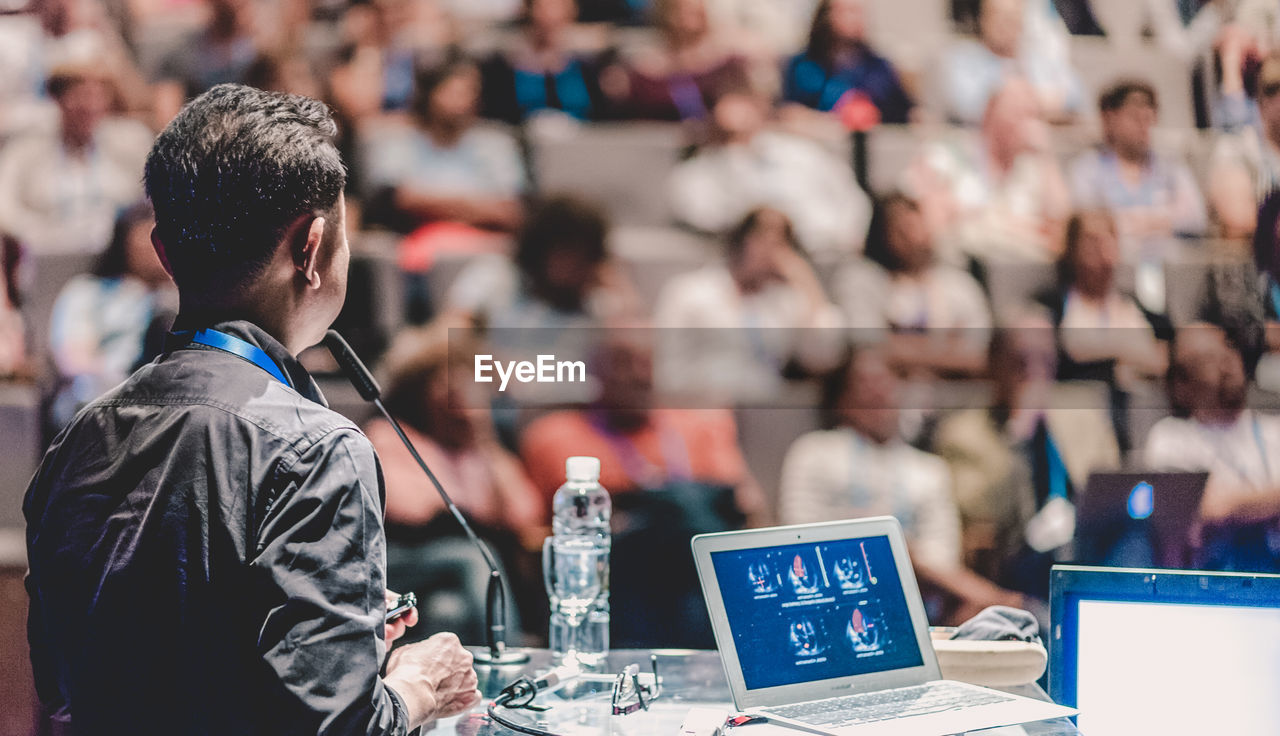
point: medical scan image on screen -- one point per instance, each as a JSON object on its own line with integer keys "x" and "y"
{"x": 806, "y": 612}
{"x": 1164, "y": 668}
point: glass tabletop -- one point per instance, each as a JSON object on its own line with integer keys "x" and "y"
{"x": 690, "y": 678}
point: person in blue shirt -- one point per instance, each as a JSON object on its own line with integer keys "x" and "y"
{"x": 838, "y": 61}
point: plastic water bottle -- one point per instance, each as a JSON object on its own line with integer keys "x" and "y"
{"x": 578, "y": 576}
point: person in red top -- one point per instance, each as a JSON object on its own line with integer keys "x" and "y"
{"x": 640, "y": 447}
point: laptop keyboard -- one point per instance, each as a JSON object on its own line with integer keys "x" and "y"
{"x": 853, "y": 710}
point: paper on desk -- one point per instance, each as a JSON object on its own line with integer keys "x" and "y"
{"x": 773, "y": 729}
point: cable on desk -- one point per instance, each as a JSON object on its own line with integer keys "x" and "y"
{"x": 518, "y": 694}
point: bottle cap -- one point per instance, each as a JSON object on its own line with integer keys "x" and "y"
{"x": 582, "y": 468}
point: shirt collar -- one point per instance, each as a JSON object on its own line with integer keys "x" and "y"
{"x": 301, "y": 379}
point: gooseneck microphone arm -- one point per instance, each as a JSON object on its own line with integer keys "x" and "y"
{"x": 496, "y": 599}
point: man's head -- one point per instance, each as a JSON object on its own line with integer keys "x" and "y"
{"x": 623, "y": 361}
{"x": 1269, "y": 96}
{"x": 863, "y": 395}
{"x": 1207, "y": 379}
{"x": 754, "y": 245}
{"x": 898, "y": 237}
{"x": 561, "y": 249}
{"x": 1128, "y": 114}
{"x": 447, "y": 95}
{"x": 739, "y": 114}
{"x": 247, "y": 188}
{"x": 1023, "y": 356}
{"x": 84, "y": 96}
{"x": 1013, "y": 121}
{"x": 1000, "y": 24}
{"x": 1091, "y": 254}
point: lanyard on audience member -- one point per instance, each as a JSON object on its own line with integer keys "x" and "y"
{"x": 675, "y": 455}
{"x": 237, "y": 347}
{"x": 860, "y": 492}
{"x": 1058, "y": 476}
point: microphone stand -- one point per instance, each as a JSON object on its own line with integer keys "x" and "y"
{"x": 496, "y": 599}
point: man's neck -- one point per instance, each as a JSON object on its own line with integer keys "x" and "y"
{"x": 1218, "y": 416}
{"x": 269, "y": 321}
{"x": 445, "y": 134}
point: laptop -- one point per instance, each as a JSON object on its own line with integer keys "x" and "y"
{"x": 820, "y": 627}
{"x": 1166, "y": 651}
{"x": 1138, "y": 519}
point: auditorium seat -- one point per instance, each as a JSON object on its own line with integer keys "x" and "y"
{"x": 48, "y": 274}
{"x": 890, "y": 150}
{"x": 765, "y": 433}
{"x": 1101, "y": 63}
{"x": 651, "y": 256}
{"x": 624, "y": 166}
{"x": 20, "y": 438}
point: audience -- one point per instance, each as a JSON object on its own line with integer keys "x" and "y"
{"x": 741, "y": 325}
{"x": 1017, "y": 39}
{"x": 938, "y": 313}
{"x": 1153, "y": 197}
{"x": 862, "y": 467}
{"x": 1248, "y": 162}
{"x": 60, "y": 190}
{"x": 1019, "y": 464}
{"x": 107, "y": 323}
{"x": 1000, "y": 195}
{"x": 541, "y": 70}
{"x": 746, "y": 166}
{"x": 1213, "y": 430}
{"x": 221, "y": 51}
{"x": 13, "y": 339}
{"x": 677, "y": 78}
{"x": 838, "y": 66}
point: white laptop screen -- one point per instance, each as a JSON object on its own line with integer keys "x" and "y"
{"x": 806, "y": 612}
{"x": 1146, "y": 667}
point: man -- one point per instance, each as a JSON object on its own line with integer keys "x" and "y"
{"x": 205, "y": 541}
{"x": 863, "y": 467}
{"x": 1213, "y": 431}
{"x": 1153, "y": 197}
{"x": 1246, "y": 164}
{"x": 60, "y": 190}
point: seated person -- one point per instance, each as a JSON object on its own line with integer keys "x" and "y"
{"x": 838, "y": 66}
{"x": 1017, "y": 38}
{"x": 561, "y": 275}
{"x": 641, "y": 446}
{"x": 1213, "y": 430}
{"x": 999, "y": 195}
{"x": 744, "y": 325}
{"x": 541, "y": 70}
{"x": 1249, "y": 159}
{"x": 745, "y": 166}
{"x": 1103, "y": 333}
{"x": 862, "y": 467}
{"x": 1017, "y": 463}
{"x": 443, "y": 178}
{"x": 106, "y": 323}
{"x": 427, "y": 376}
{"x": 13, "y": 342}
{"x": 677, "y": 79}
{"x": 938, "y": 313}
{"x": 1154, "y": 199}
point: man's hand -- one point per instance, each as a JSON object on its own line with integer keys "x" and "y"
{"x": 396, "y": 628}
{"x": 434, "y": 678}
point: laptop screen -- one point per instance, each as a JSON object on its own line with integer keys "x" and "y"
{"x": 806, "y": 612}
{"x": 1147, "y": 667}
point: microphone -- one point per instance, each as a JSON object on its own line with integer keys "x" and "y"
{"x": 496, "y": 600}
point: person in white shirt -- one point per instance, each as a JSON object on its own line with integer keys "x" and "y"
{"x": 742, "y": 324}
{"x": 937, "y": 313}
{"x": 862, "y": 467}
{"x": 1213, "y": 430}
{"x": 747, "y": 167}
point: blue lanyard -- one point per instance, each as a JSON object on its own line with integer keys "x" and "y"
{"x": 234, "y": 345}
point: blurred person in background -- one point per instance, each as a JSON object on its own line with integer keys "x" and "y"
{"x": 1214, "y": 430}
{"x": 1018, "y": 464}
{"x": 1245, "y": 167}
{"x": 61, "y": 189}
{"x": 999, "y": 195}
{"x": 234, "y": 33}
{"x": 672, "y": 473}
{"x": 937, "y": 313}
{"x": 405, "y": 35}
{"x": 677, "y": 78}
{"x": 862, "y": 467}
{"x": 1017, "y": 38}
{"x": 354, "y": 92}
{"x": 430, "y": 390}
{"x": 540, "y": 69}
{"x": 741, "y": 326}
{"x": 838, "y": 66}
{"x": 450, "y": 184}
{"x": 13, "y": 342}
{"x": 107, "y": 323}
{"x": 1154, "y": 198}
{"x": 746, "y": 166}
{"x": 561, "y": 275}
{"x": 1103, "y": 333}
{"x": 283, "y": 72}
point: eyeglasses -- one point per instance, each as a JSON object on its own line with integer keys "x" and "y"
{"x": 1269, "y": 89}
{"x": 628, "y": 687}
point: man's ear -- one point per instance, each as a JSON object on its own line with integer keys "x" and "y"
{"x": 306, "y": 258}
{"x": 159, "y": 248}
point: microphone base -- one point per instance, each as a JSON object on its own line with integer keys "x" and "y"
{"x": 507, "y": 657}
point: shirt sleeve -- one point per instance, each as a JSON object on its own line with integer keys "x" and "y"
{"x": 321, "y": 554}
{"x": 805, "y": 491}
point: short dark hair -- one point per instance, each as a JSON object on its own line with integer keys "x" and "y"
{"x": 561, "y": 221}
{"x": 736, "y": 238}
{"x": 228, "y": 177}
{"x": 877, "y": 249}
{"x": 1115, "y": 96}
{"x": 429, "y": 77}
{"x": 114, "y": 261}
